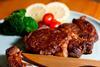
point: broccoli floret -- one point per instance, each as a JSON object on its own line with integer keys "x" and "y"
{"x": 13, "y": 25}
{"x": 18, "y": 24}
{"x": 30, "y": 24}
{"x": 20, "y": 12}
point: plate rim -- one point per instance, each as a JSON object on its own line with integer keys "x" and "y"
{"x": 90, "y": 17}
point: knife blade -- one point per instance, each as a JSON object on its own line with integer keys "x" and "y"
{"x": 54, "y": 61}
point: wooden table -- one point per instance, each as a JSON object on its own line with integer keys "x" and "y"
{"x": 90, "y": 7}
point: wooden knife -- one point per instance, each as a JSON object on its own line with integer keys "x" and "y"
{"x": 54, "y": 61}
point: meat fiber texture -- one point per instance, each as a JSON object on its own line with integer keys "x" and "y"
{"x": 14, "y": 57}
{"x": 47, "y": 42}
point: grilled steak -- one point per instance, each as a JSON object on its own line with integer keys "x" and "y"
{"x": 82, "y": 36}
{"x": 47, "y": 42}
{"x": 79, "y": 36}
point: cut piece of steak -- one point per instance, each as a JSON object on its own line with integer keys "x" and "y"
{"x": 47, "y": 42}
{"x": 14, "y": 57}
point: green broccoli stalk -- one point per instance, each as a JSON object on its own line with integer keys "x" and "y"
{"x": 18, "y": 24}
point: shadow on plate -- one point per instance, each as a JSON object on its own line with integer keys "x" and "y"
{"x": 3, "y": 61}
{"x": 20, "y": 44}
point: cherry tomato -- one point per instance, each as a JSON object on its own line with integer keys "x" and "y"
{"x": 54, "y": 24}
{"x": 47, "y": 18}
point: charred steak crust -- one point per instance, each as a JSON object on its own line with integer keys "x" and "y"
{"x": 88, "y": 30}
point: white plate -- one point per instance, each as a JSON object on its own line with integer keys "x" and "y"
{"x": 7, "y": 41}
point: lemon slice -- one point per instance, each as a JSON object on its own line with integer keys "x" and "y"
{"x": 60, "y": 11}
{"x": 36, "y": 11}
